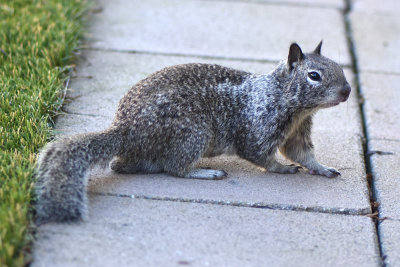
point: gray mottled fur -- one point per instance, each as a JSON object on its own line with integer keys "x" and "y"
{"x": 172, "y": 118}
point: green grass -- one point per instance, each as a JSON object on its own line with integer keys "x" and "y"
{"x": 37, "y": 41}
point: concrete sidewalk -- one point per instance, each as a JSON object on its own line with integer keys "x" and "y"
{"x": 251, "y": 218}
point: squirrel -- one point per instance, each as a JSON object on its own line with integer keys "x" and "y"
{"x": 174, "y": 117}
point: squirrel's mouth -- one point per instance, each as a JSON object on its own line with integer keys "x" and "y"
{"x": 328, "y": 105}
{"x": 343, "y": 98}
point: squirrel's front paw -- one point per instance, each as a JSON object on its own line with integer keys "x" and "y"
{"x": 325, "y": 171}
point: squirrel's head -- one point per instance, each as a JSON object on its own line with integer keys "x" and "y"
{"x": 322, "y": 80}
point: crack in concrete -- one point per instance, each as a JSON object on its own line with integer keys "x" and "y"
{"x": 376, "y": 215}
{"x": 260, "y": 205}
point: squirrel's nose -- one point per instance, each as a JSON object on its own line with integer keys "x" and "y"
{"x": 345, "y": 91}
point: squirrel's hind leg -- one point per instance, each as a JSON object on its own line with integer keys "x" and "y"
{"x": 181, "y": 159}
{"x": 178, "y": 169}
{"x": 122, "y": 166}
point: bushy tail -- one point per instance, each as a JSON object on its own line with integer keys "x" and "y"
{"x": 62, "y": 174}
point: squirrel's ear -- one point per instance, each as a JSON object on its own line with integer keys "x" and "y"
{"x": 295, "y": 55}
{"x": 317, "y": 50}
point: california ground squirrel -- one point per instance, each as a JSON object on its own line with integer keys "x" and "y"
{"x": 172, "y": 118}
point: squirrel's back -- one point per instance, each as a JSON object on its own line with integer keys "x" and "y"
{"x": 197, "y": 84}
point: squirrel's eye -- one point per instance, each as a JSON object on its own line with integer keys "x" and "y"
{"x": 314, "y": 76}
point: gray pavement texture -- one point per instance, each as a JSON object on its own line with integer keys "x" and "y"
{"x": 251, "y": 218}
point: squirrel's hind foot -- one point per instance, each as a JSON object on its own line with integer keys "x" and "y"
{"x": 284, "y": 169}
{"x": 125, "y": 166}
{"x": 206, "y": 174}
{"x": 325, "y": 171}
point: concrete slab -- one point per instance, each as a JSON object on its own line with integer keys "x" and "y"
{"x": 390, "y": 237}
{"x": 386, "y": 7}
{"x": 133, "y": 232}
{"x": 382, "y": 102}
{"x": 386, "y": 173}
{"x": 377, "y": 39}
{"x": 227, "y": 29}
{"x": 70, "y": 124}
{"x": 336, "y": 130}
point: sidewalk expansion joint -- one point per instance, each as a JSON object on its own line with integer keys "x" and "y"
{"x": 377, "y": 217}
{"x": 65, "y": 112}
{"x": 384, "y": 139}
{"x": 207, "y": 57}
{"x": 281, "y": 3}
{"x": 258, "y": 205}
{"x": 394, "y": 73}
{"x": 166, "y": 54}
